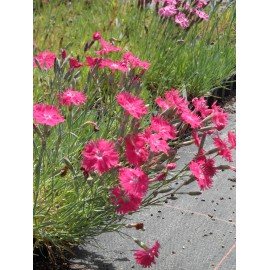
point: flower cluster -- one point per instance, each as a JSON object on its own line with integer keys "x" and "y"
{"x": 185, "y": 14}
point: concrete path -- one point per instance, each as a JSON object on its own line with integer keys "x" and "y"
{"x": 195, "y": 233}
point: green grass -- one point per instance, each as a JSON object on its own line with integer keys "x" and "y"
{"x": 198, "y": 60}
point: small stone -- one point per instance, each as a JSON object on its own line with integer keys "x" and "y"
{"x": 230, "y": 220}
{"x": 211, "y": 233}
{"x": 230, "y": 231}
{"x": 205, "y": 235}
{"x": 196, "y": 198}
{"x": 163, "y": 218}
{"x": 173, "y": 252}
{"x": 210, "y": 216}
{"x": 159, "y": 211}
{"x": 215, "y": 209}
{"x": 151, "y": 215}
{"x": 230, "y": 188}
{"x": 229, "y": 198}
{"x": 222, "y": 246}
{"x": 221, "y": 198}
{"x": 203, "y": 200}
{"x": 192, "y": 213}
{"x": 212, "y": 201}
{"x": 183, "y": 247}
{"x": 217, "y": 203}
{"x": 132, "y": 266}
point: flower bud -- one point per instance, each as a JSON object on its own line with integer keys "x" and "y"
{"x": 96, "y": 36}
{"x": 170, "y": 166}
{"x": 64, "y": 54}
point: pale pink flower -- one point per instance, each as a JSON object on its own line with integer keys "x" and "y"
{"x": 100, "y": 155}
{"x": 107, "y": 47}
{"x": 163, "y": 128}
{"x": 47, "y": 115}
{"x": 125, "y": 201}
{"x": 134, "y": 181}
{"x": 132, "y": 104}
{"x": 147, "y": 256}
{"x": 167, "y": 11}
{"x": 181, "y": 19}
{"x": 202, "y": 14}
{"x": 71, "y": 97}
{"x": 136, "y": 152}
{"x": 45, "y": 59}
{"x": 232, "y": 139}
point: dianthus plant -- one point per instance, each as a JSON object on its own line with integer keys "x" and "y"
{"x": 103, "y": 152}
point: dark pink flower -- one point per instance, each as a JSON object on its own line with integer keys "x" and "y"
{"x": 167, "y": 11}
{"x": 191, "y": 118}
{"x": 71, "y": 97}
{"x": 74, "y": 63}
{"x": 175, "y": 101}
{"x": 163, "y": 128}
{"x": 91, "y": 61}
{"x": 155, "y": 142}
{"x": 219, "y": 117}
{"x": 134, "y": 181}
{"x": 107, "y": 47}
{"x": 114, "y": 65}
{"x": 203, "y": 171}
{"x": 45, "y": 59}
{"x": 47, "y": 115}
{"x": 163, "y": 104}
{"x": 196, "y": 138}
{"x": 232, "y": 139}
{"x": 100, "y": 155}
{"x": 136, "y": 152}
{"x": 147, "y": 256}
{"x": 202, "y": 14}
{"x": 125, "y": 201}
{"x": 200, "y": 106}
{"x": 201, "y": 4}
{"x": 181, "y": 19}
{"x": 132, "y": 104}
{"x": 96, "y": 36}
{"x": 224, "y": 150}
{"x": 64, "y": 54}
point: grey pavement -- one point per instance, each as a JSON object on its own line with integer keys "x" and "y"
{"x": 195, "y": 232}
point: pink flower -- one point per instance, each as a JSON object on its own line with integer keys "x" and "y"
{"x": 147, "y": 256}
{"x": 181, "y": 19}
{"x": 107, "y": 47}
{"x": 134, "y": 61}
{"x": 160, "y": 177}
{"x": 202, "y": 14}
{"x": 196, "y": 138}
{"x": 45, "y": 59}
{"x": 167, "y": 11}
{"x": 232, "y": 139}
{"x": 203, "y": 171}
{"x": 170, "y": 166}
{"x": 134, "y": 181}
{"x": 47, "y": 115}
{"x": 114, "y": 65}
{"x": 191, "y": 118}
{"x": 224, "y": 150}
{"x": 201, "y": 4}
{"x": 74, "y": 63}
{"x": 136, "y": 152}
{"x": 163, "y": 128}
{"x": 71, "y": 97}
{"x": 163, "y": 104}
{"x": 96, "y": 36}
{"x": 219, "y": 117}
{"x": 125, "y": 201}
{"x": 155, "y": 143}
{"x": 64, "y": 54}
{"x": 175, "y": 101}
{"x": 100, "y": 155}
{"x": 91, "y": 61}
{"x": 132, "y": 104}
{"x": 200, "y": 106}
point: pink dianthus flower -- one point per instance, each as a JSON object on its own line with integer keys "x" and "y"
{"x": 132, "y": 104}
{"x": 71, "y": 97}
{"x": 92, "y": 61}
{"x": 114, "y": 65}
{"x": 224, "y": 150}
{"x": 167, "y": 11}
{"x": 96, "y": 36}
{"x": 232, "y": 139}
{"x": 147, "y": 256}
{"x": 107, "y": 47}
{"x": 191, "y": 118}
{"x": 181, "y": 19}
{"x": 136, "y": 152}
{"x": 47, "y": 115}
{"x": 100, "y": 155}
{"x": 45, "y": 59}
{"x": 134, "y": 61}
{"x": 202, "y": 14}
{"x": 125, "y": 201}
{"x": 74, "y": 63}
{"x": 134, "y": 181}
{"x": 163, "y": 128}
{"x": 219, "y": 117}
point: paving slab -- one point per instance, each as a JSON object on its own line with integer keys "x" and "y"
{"x": 195, "y": 232}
